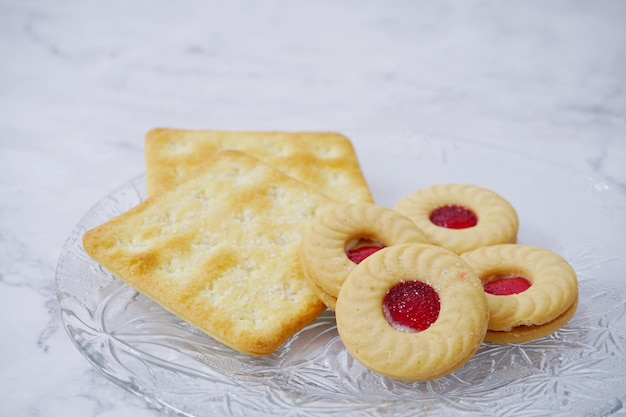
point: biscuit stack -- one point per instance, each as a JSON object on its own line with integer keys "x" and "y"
{"x": 249, "y": 236}
{"x": 217, "y": 240}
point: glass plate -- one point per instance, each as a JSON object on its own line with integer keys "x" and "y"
{"x": 579, "y": 370}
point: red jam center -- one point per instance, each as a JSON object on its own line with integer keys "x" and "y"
{"x": 506, "y": 285}
{"x": 453, "y": 217}
{"x": 356, "y": 255}
{"x": 411, "y": 306}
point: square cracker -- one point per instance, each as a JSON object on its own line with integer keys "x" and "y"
{"x": 325, "y": 160}
{"x": 221, "y": 251}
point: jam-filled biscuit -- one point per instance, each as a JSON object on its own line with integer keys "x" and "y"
{"x": 341, "y": 235}
{"x": 461, "y": 217}
{"x": 531, "y": 291}
{"x": 412, "y": 312}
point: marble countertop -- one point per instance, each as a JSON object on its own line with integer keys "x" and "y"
{"x": 82, "y": 82}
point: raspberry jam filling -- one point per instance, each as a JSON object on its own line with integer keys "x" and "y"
{"x": 357, "y": 255}
{"x": 453, "y": 217}
{"x": 359, "y": 249}
{"x": 508, "y": 285}
{"x": 411, "y": 306}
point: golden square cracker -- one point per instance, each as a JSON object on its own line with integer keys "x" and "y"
{"x": 221, "y": 251}
{"x": 326, "y": 161}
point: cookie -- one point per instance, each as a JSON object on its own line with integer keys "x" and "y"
{"x": 412, "y": 312}
{"x": 324, "y": 160}
{"x": 341, "y": 235}
{"x": 531, "y": 291}
{"x": 522, "y": 334}
{"x": 461, "y": 217}
{"x": 221, "y": 251}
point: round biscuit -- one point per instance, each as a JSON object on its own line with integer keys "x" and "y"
{"x": 497, "y": 219}
{"x": 554, "y": 286}
{"x": 443, "y": 347}
{"x": 522, "y": 334}
{"x": 323, "y": 251}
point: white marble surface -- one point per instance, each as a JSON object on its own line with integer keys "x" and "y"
{"x": 82, "y": 81}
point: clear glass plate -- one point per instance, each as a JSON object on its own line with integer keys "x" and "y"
{"x": 579, "y": 370}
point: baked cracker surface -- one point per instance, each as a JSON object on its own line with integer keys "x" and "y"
{"x": 220, "y": 251}
{"x": 325, "y": 160}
